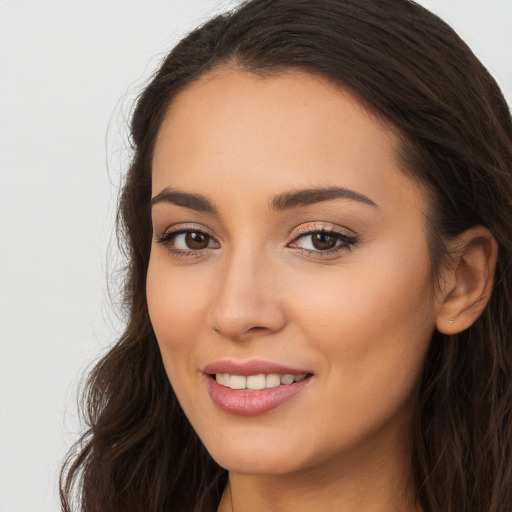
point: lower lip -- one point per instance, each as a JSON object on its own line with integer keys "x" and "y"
{"x": 249, "y": 403}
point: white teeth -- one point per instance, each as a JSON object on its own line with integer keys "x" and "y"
{"x": 256, "y": 381}
{"x": 260, "y": 381}
{"x": 237, "y": 382}
{"x": 272, "y": 380}
{"x": 287, "y": 379}
{"x": 223, "y": 378}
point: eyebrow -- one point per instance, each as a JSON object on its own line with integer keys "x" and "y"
{"x": 281, "y": 202}
{"x": 186, "y": 199}
{"x": 307, "y": 197}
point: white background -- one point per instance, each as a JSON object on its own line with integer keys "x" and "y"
{"x": 69, "y": 71}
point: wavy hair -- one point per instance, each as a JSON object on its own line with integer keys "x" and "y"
{"x": 407, "y": 66}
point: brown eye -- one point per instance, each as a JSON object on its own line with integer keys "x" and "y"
{"x": 196, "y": 241}
{"x": 323, "y": 241}
{"x": 187, "y": 241}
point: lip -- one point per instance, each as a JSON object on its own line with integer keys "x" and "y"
{"x": 253, "y": 367}
{"x": 250, "y": 403}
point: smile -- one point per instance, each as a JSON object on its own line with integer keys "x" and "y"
{"x": 257, "y": 382}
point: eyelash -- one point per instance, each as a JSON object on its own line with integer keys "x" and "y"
{"x": 167, "y": 238}
{"x": 344, "y": 242}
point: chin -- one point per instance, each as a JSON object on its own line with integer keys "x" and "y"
{"x": 260, "y": 465}
{"x": 258, "y": 457}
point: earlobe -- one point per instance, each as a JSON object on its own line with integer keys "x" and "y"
{"x": 469, "y": 280}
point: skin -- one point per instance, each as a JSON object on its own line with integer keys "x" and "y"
{"x": 360, "y": 320}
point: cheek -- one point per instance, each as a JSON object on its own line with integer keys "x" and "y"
{"x": 372, "y": 324}
{"x": 176, "y": 300}
{"x": 390, "y": 296}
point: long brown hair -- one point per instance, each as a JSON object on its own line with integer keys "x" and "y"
{"x": 407, "y": 66}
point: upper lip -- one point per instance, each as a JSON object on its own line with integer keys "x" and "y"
{"x": 253, "y": 367}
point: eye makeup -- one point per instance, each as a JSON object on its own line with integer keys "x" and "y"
{"x": 315, "y": 240}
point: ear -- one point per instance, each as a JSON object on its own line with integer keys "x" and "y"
{"x": 467, "y": 283}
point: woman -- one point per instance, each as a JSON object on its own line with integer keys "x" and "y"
{"x": 317, "y": 218}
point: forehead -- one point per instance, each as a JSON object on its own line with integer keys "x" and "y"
{"x": 237, "y": 131}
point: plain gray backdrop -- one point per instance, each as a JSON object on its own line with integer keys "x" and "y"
{"x": 69, "y": 72}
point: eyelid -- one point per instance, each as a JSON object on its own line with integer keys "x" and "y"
{"x": 347, "y": 237}
{"x": 169, "y": 233}
{"x": 322, "y": 227}
{"x": 181, "y": 228}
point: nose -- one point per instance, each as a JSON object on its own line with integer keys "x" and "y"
{"x": 247, "y": 298}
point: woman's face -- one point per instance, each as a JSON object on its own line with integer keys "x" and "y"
{"x": 288, "y": 246}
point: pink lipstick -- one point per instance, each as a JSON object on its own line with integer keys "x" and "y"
{"x": 253, "y": 387}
